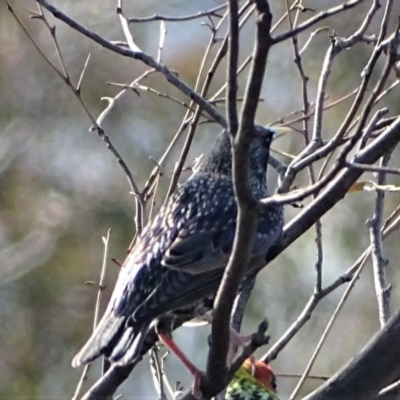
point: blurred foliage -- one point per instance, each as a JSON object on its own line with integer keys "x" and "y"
{"x": 61, "y": 190}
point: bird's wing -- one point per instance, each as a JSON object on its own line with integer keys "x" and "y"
{"x": 194, "y": 262}
{"x": 200, "y": 252}
{"x": 205, "y": 229}
{"x": 179, "y": 289}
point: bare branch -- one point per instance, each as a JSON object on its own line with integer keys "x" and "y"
{"x": 241, "y": 302}
{"x": 365, "y": 375}
{"x": 206, "y": 85}
{"x": 216, "y": 373}
{"x": 374, "y": 168}
{"x": 319, "y": 17}
{"x": 233, "y": 57}
{"x": 213, "y": 12}
{"x": 77, "y": 92}
{"x": 392, "y": 224}
{"x": 379, "y": 263}
{"x": 125, "y": 28}
{"x": 158, "y": 373}
{"x": 138, "y": 55}
{"x": 337, "y": 189}
{"x": 101, "y": 287}
{"x": 327, "y": 329}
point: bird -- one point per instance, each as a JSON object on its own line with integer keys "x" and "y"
{"x": 254, "y": 380}
{"x": 178, "y": 261}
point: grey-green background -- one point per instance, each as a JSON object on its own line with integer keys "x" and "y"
{"x": 61, "y": 190}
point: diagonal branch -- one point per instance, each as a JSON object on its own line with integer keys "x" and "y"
{"x": 365, "y": 375}
{"x": 137, "y": 55}
{"x": 337, "y": 189}
{"x": 319, "y": 17}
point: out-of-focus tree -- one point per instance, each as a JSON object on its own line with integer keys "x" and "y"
{"x": 332, "y": 75}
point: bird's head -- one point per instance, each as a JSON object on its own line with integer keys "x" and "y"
{"x": 260, "y": 146}
{"x": 219, "y": 158}
{"x": 262, "y": 373}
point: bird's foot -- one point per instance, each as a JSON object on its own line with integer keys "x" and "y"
{"x": 237, "y": 340}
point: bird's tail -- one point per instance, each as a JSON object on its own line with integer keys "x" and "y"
{"x": 115, "y": 340}
{"x": 103, "y": 339}
{"x": 129, "y": 347}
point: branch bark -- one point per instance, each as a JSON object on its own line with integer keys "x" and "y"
{"x": 374, "y": 368}
{"x": 216, "y": 372}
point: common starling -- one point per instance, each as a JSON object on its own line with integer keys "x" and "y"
{"x": 254, "y": 380}
{"x": 177, "y": 264}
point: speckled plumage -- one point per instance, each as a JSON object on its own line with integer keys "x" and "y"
{"x": 178, "y": 261}
{"x": 253, "y": 381}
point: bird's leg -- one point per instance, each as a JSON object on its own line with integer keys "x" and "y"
{"x": 167, "y": 340}
{"x": 238, "y": 339}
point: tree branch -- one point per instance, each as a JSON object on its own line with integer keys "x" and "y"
{"x": 319, "y": 17}
{"x": 337, "y": 189}
{"x": 365, "y": 375}
{"x": 379, "y": 263}
{"x": 216, "y": 372}
{"x": 145, "y": 58}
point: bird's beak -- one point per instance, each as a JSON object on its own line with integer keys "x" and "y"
{"x": 279, "y": 131}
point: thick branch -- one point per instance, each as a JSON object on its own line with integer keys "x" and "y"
{"x": 364, "y": 376}
{"x": 337, "y": 189}
{"x": 216, "y": 372}
{"x": 105, "y": 387}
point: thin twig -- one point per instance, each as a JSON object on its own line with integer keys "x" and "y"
{"x": 125, "y": 28}
{"x": 205, "y": 88}
{"x": 388, "y": 389}
{"x": 374, "y": 168}
{"x": 379, "y": 263}
{"x": 319, "y": 17}
{"x": 157, "y": 373}
{"x": 101, "y": 286}
{"x": 213, "y": 12}
{"x": 241, "y": 302}
{"x": 163, "y": 33}
{"x": 77, "y": 92}
{"x": 233, "y": 57}
{"x": 316, "y": 137}
{"x": 327, "y": 329}
{"x": 138, "y": 55}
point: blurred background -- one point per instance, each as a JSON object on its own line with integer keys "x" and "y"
{"x": 61, "y": 189}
